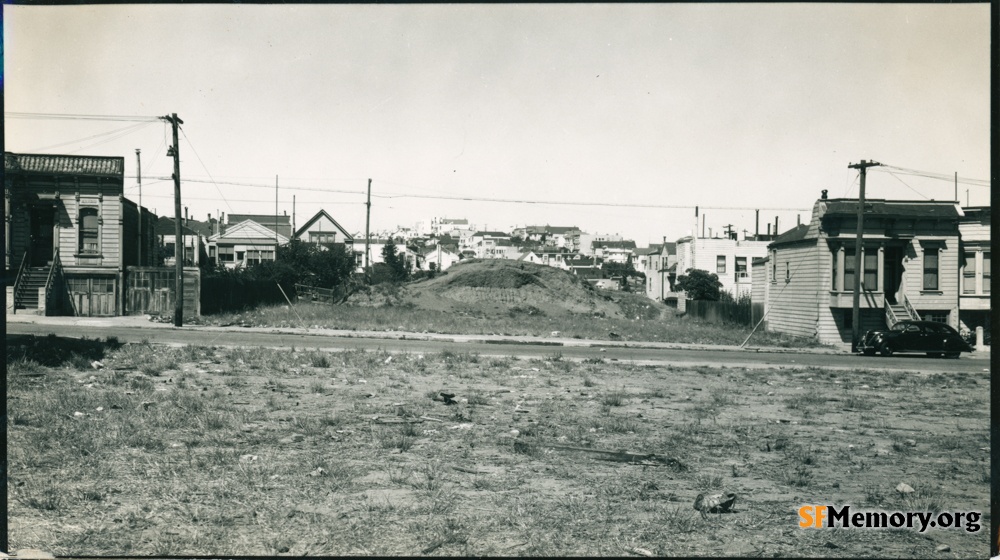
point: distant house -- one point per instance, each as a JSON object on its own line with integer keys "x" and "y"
{"x": 438, "y": 256}
{"x": 974, "y": 301}
{"x": 71, "y": 233}
{"x": 615, "y": 251}
{"x": 245, "y": 244}
{"x": 909, "y": 268}
{"x": 484, "y": 243}
{"x": 585, "y": 267}
{"x": 193, "y": 242}
{"x": 556, "y": 259}
{"x": 377, "y": 245}
{"x": 323, "y": 230}
{"x": 655, "y": 262}
{"x": 449, "y": 226}
{"x": 726, "y": 257}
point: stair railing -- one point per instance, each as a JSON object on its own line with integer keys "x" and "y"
{"x": 54, "y": 268}
{"x": 890, "y": 315}
{"x": 18, "y": 282}
{"x": 910, "y": 310}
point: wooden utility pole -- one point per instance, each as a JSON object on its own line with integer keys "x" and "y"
{"x": 138, "y": 175}
{"x": 368, "y": 214}
{"x": 275, "y": 218}
{"x": 178, "y": 237}
{"x": 858, "y": 261}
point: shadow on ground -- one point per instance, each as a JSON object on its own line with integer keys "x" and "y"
{"x": 57, "y": 351}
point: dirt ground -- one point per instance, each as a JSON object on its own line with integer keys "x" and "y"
{"x": 163, "y": 451}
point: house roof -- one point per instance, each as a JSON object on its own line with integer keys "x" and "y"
{"x": 98, "y": 166}
{"x": 798, "y": 233}
{"x": 280, "y": 223}
{"x": 902, "y": 208}
{"x": 624, "y": 244}
{"x": 582, "y": 261}
{"x": 490, "y": 234}
{"x": 249, "y": 230}
{"x": 314, "y": 219}
{"x": 165, "y": 226}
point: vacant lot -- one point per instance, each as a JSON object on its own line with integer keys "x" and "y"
{"x": 182, "y": 451}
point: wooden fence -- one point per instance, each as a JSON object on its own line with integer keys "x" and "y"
{"x": 726, "y": 312}
{"x": 150, "y": 290}
{"x": 220, "y": 294}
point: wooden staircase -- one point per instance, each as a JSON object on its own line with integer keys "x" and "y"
{"x": 32, "y": 278}
{"x": 899, "y": 311}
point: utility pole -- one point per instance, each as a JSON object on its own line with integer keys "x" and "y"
{"x": 178, "y": 238}
{"x": 368, "y": 214}
{"x": 858, "y": 262}
{"x": 275, "y": 218}
{"x": 138, "y": 175}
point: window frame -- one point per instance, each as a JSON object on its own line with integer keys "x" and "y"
{"x": 969, "y": 273}
{"x": 84, "y": 235}
{"x": 720, "y": 264}
{"x": 929, "y": 252}
{"x": 987, "y": 274}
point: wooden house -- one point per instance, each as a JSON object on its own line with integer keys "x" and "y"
{"x": 323, "y": 230}
{"x": 909, "y": 266}
{"x": 245, "y": 244}
{"x": 71, "y": 233}
{"x": 974, "y": 300}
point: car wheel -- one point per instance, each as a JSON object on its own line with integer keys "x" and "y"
{"x": 886, "y": 350}
{"x": 953, "y": 355}
{"x": 869, "y": 351}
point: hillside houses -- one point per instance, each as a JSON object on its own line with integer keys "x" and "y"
{"x": 974, "y": 239}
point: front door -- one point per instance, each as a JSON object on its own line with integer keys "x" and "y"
{"x": 893, "y": 268}
{"x": 41, "y": 241}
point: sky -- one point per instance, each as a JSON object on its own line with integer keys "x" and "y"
{"x": 618, "y": 119}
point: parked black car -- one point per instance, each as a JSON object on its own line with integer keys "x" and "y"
{"x": 936, "y": 339}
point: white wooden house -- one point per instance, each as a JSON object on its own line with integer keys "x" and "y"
{"x": 977, "y": 257}
{"x": 909, "y": 266}
{"x": 245, "y": 244}
{"x": 323, "y": 230}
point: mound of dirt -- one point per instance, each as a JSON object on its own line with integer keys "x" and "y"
{"x": 491, "y": 286}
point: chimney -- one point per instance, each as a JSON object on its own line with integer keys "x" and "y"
{"x": 775, "y": 226}
{"x": 695, "y": 222}
{"x": 823, "y": 196}
{"x": 769, "y": 230}
{"x": 222, "y": 220}
{"x": 798, "y": 220}
{"x": 185, "y": 215}
{"x": 756, "y": 226}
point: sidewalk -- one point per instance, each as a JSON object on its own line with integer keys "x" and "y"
{"x": 142, "y": 322}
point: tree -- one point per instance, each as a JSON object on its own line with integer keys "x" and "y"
{"x": 700, "y": 285}
{"x": 398, "y": 267}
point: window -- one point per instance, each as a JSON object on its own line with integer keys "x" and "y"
{"x": 774, "y": 266}
{"x": 969, "y": 274}
{"x": 931, "y": 268}
{"x": 741, "y": 267}
{"x": 89, "y": 231}
{"x": 226, "y": 254}
{"x": 986, "y": 272}
{"x": 870, "y": 278}
{"x": 239, "y": 256}
{"x": 936, "y": 316}
{"x": 788, "y": 273}
{"x": 849, "y": 269}
{"x": 836, "y": 271}
{"x": 720, "y": 264}
{"x": 322, "y": 237}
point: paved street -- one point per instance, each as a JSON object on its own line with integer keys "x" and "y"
{"x": 137, "y": 329}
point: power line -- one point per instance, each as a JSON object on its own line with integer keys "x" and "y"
{"x": 932, "y": 175}
{"x": 207, "y": 171}
{"x": 77, "y": 117}
{"x": 118, "y": 133}
{"x": 498, "y": 200}
{"x": 907, "y": 186}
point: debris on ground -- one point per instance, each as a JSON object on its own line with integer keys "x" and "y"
{"x": 904, "y": 488}
{"x": 716, "y": 503}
